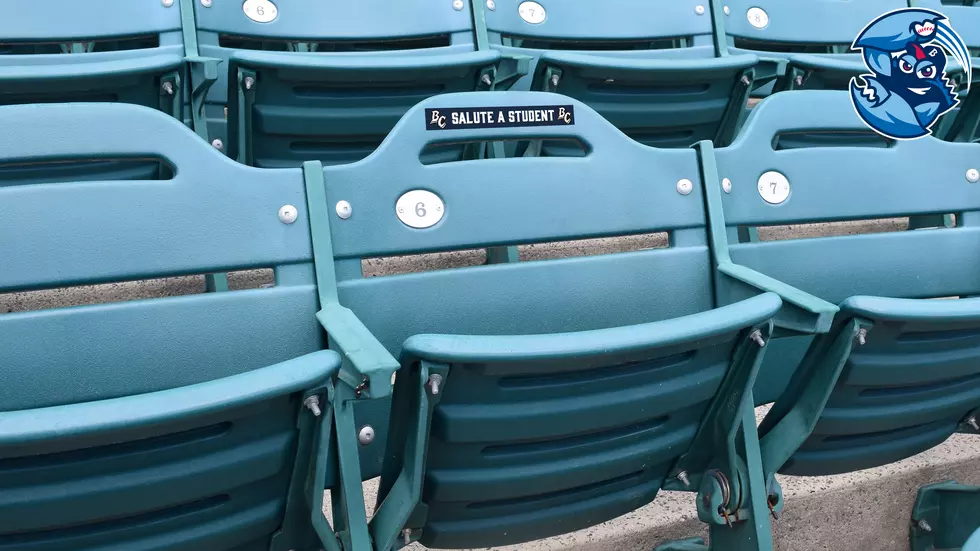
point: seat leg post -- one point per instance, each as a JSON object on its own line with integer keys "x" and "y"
{"x": 350, "y": 517}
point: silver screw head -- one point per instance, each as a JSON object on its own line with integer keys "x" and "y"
{"x": 434, "y": 381}
{"x": 217, "y": 144}
{"x": 366, "y": 435}
{"x": 486, "y": 80}
{"x": 344, "y": 210}
{"x": 726, "y": 185}
{"x": 407, "y": 536}
{"x": 682, "y": 476}
{"x": 206, "y": 3}
{"x": 972, "y": 421}
{"x": 554, "y": 80}
{"x": 168, "y": 88}
{"x": 973, "y": 175}
{"x": 249, "y": 83}
{"x": 684, "y": 186}
{"x": 862, "y": 336}
{"x": 457, "y": 5}
{"x": 756, "y": 336}
{"x": 925, "y": 525}
{"x": 728, "y": 11}
{"x": 312, "y": 403}
{"x": 491, "y": 5}
{"x": 287, "y": 214}
{"x": 699, "y": 9}
{"x": 167, "y": 3}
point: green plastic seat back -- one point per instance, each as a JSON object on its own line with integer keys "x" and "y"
{"x": 121, "y": 51}
{"x": 649, "y": 68}
{"x": 918, "y": 375}
{"x": 84, "y": 386}
{"x": 332, "y": 79}
{"x": 541, "y": 431}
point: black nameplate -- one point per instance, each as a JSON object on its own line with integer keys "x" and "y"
{"x": 458, "y": 118}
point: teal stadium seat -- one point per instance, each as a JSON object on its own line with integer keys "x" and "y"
{"x": 117, "y": 51}
{"x": 171, "y": 424}
{"x": 804, "y": 44}
{"x": 327, "y": 82}
{"x": 536, "y": 398}
{"x": 964, "y": 16}
{"x": 896, "y": 372}
{"x": 652, "y": 69}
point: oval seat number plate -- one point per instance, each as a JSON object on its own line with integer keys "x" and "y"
{"x": 419, "y": 208}
{"x": 531, "y": 12}
{"x": 260, "y": 11}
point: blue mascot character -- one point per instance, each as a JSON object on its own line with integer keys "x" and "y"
{"x": 908, "y": 89}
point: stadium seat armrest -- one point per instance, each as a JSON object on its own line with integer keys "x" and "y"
{"x": 366, "y": 360}
{"x": 822, "y": 312}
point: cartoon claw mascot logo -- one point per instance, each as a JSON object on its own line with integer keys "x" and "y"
{"x": 907, "y": 89}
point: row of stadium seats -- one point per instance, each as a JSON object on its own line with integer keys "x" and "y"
{"x": 312, "y": 81}
{"x": 527, "y": 399}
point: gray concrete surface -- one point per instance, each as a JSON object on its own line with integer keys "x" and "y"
{"x": 868, "y": 510}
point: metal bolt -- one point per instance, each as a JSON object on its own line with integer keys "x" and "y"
{"x": 217, "y": 144}
{"x": 756, "y": 336}
{"x": 167, "y": 3}
{"x": 699, "y": 9}
{"x": 366, "y": 435}
{"x": 728, "y": 11}
{"x": 491, "y": 5}
{"x": 726, "y": 185}
{"x": 168, "y": 88}
{"x": 486, "y": 80}
{"x": 682, "y": 476}
{"x": 862, "y": 336}
{"x": 344, "y": 210}
{"x": 407, "y": 536}
{"x": 972, "y": 421}
{"x": 434, "y": 381}
{"x": 457, "y": 5}
{"x": 249, "y": 83}
{"x": 799, "y": 80}
{"x": 312, "y": 403}
{"x": 684, "y": 186}
{"x": 287, "y": 214}
{"x": 973, "y": 175}
{"x": 394, "y": 376}
{"x": 206, "y": 3}
{"x": 925, "y": 525}
{"x": 745, "y": 80}
{"x": 554, "y": 80}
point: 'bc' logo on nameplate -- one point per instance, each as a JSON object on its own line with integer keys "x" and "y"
{"x": 458, "y": 118}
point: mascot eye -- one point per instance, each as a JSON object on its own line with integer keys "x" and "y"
{"x": 905, "y": 66}
{"x": 927, "y": 72}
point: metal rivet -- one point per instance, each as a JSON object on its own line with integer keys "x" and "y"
{"x": 457, "y": 5}
{"x": 366, "y": 435}
{"x": 554, "y": 80}
{"x": 167, "y": 3}
{"x": 925, "y": 525}
{"x": 217, "y": 144}
{"x": 168, "y": 88}
{"x": 728, "y": 11}
{"x": 699, "y": 9}
{"x": 973, "y": 175}
{"x": 312, "y": 403}
{"x": 682, "y": 476}
{"x": 972, "y": 421}
{"x": 726, "y": 185}
{"x": 756, "y": 336}
{"x": 344, "y": 210}
{"x": 862, "y": 336}
{"x": 491, "y": 5}
{"x": 685, "y": 186}
{"x": 206, "y": 3}
{"x": 434, "y": 381}
{"x": 287, "y": 214}
{"x": 486, "y": 80}
{"x": 249, "y": 83}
